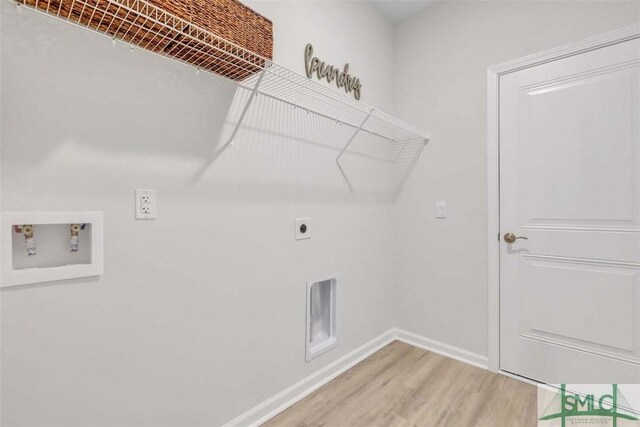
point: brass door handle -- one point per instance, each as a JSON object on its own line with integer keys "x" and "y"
{"x": 511, "y": 238}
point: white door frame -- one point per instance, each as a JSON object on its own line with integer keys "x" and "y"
{"x": 493, "y": 162}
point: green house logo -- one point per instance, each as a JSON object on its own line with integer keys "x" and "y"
{"x": 589, "y": 407}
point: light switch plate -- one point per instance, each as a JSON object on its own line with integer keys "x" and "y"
{"x": 441, "y": 209}
{"x": 303, "y": 228}
{"x": 145, "y": 204}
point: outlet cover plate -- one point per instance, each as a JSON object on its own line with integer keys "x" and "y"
{"x": 303, "y": 228}
{"x": 145, "y": 204}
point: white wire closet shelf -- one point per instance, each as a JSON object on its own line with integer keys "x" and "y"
{"x": 144, "y": 25}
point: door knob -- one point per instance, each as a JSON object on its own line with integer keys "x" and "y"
{"x": 510, "y": 237}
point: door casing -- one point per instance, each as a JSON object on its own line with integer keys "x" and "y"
{"x": 493, "y": 162}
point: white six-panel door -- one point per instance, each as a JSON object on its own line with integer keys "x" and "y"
{"x": 570, "y": 183}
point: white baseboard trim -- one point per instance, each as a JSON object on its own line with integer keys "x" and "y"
{"x": 274, "y": 405}
{"x": 442, "y": 348}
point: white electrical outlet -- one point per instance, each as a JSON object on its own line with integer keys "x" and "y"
{"x": 303, "y": 228}
{"x": 145, "y": 204}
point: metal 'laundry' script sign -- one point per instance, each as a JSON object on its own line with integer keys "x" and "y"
{"x": 314, "y": 65}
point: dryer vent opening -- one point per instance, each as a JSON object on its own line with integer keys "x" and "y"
{"x": 321, "y": 317}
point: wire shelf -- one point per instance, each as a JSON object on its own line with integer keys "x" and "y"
{"x": 147, "y": 26}
{"x": 144, "y": 25}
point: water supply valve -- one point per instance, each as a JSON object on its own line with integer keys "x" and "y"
{"x": 73, "y": 237}
{"x": 27, "y": 231}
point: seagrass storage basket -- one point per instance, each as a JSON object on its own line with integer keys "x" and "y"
{"x": 222, "y": 36}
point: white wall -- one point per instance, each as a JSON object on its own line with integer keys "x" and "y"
{"x": 200, "y": 314}
{"x": 442, "y": 57}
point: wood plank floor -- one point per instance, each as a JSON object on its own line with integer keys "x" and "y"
{"x": 402, "y": 385}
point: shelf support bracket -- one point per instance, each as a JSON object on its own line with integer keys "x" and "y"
{"x": 253, "y": 94}
{"x": 405, "y": 177}
{"x": 355, "y": 133}
{"x": 344, "y": 149}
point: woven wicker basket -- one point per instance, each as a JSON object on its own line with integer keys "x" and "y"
{"x": 228, "y": 19}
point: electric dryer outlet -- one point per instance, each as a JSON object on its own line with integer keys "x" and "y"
{"x": 303, "y": 228}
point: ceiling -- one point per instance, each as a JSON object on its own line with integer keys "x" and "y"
{"x": 399, "y": 10}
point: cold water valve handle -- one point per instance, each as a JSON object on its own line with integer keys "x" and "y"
{"x": 73, "y": 238}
